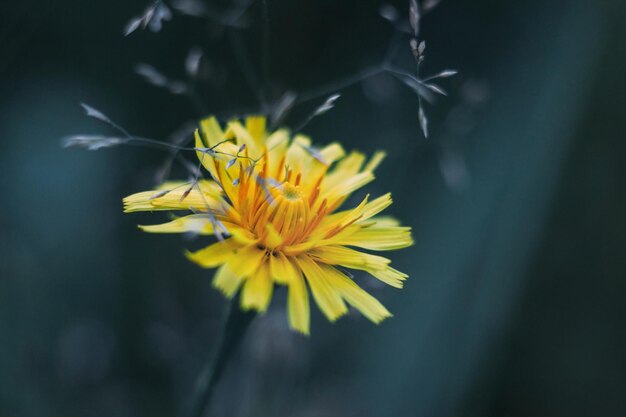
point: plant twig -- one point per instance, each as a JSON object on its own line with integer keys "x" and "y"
{"x": 234, "y": 329}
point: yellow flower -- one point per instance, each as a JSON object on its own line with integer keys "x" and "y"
{"x": 273, "y": 203}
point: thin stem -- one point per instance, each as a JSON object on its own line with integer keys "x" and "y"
{"x": 385, "y": 65}
{"x": 135, "y": 140}
{"x": 233, "y": 332}
{"x": 341, "y": 84}
{"x": 396, "y": 71}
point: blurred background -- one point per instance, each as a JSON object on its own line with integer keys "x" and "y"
{"x": 516, "y": 304}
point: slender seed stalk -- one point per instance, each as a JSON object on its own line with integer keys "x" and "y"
{"x": 233, "y": 331}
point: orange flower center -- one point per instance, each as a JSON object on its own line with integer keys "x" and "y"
{"x": 291, "y": 192}
{"x": 283, "y": 217}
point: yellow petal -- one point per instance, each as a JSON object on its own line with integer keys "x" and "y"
{"x": 257, "y": 291}
{"x": 326, "y": 296}
{"x": 297, "y": 157}
{"x": 378, "y": 238}
{"x": 337, "y": 222}
{"x": 205, "y": 159}
{"x": 356, "y": 296}
{"x": 246, "y": 260}
{"x": 243, "y": 136}
{"x": 211, "y": 131}
{"x": 194, "y": 223}
{"x": 215, "y": 254}
{"x": 350, "y": 258}
{"x": 273, "y": 238}
{"x": 256, "y": 127}
{"x": 276, "y": 145}
{"x": 376, "y": 266}
{"x": 298, "y": 249}
{"x": 281, "y": 269}
{"x": 332, "y": 153}
{"x": 385, "y": 221}
{"x": 318, "y": 164}
{"x": 389, "y": 276}
{"x": 298, "y": 309}
{"x": 226, "y": 281}
{"x": 376, "y": 206}
{"x": 223, "y": 152}
{"x": 374, "y": 161}
{"x": 346, "y": 187}
{"x": 178, "y": 198}
{"x": 277, "y": 138}
{"x": 244, "y": 236}
{"x": 170, "y": 185}
{"x": 347, "y": 167}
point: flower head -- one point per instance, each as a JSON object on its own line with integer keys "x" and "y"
{"x": 274, "y": 205}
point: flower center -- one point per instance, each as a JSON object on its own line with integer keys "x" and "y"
{"x": 291, "y": 193}
{"x": 283, "y": 219}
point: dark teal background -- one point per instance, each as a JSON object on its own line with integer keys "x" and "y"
{"x": 516, "y": 304}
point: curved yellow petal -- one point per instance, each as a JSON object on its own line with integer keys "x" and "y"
{"x": 338, "y": 222}
{"x": 376, "y": 238}
{"x": 276, "y": 146}
{"x": 194, "y": 223}
{"x": 376, "y": 206}
{"x": 256, "y": 126}
{"x": 247, "y": 260}
{"x": 212, "y": 131}
{"x": 375, "y": 265}
{"x": 367, "y": 211}
{"x": 273, "y": 238}
{"x": 242, "y": 235}
{"x": 244, "y": 137}
{"x": 350, "y": 258}
{"x": 385, "y": 221}
{"x": 389, "y": 276}
{"x": 332, "y": 152}
{"x": 356, "y": 296}
{"x": 257, "y": 290}
{"x": 326, "y": 296}
{"x": 215, "y": 254}
{"x": 375, "y": 160}
{"x": 182, "y": 196}
{"x": 281, "y": 269}
{"x": 318, "y": 164}
{"x": 298, "y": 309}
{"x": 337, "y": 194}
{"x": 203, "y": 156}
{"x": 296, "y": 155}
{"x": 227, "y": 281}
{"x": 347, "y": 167}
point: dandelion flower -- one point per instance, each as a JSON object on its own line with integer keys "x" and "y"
{"x": 274, "y": 205}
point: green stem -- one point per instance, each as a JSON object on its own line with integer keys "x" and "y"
{"x": 233, "y": 332}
